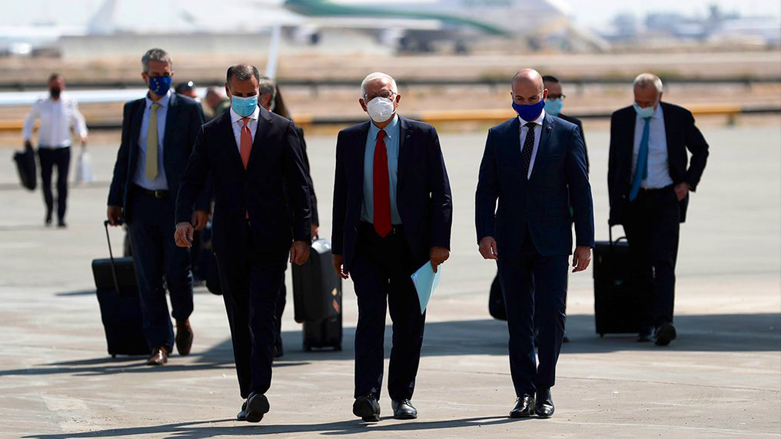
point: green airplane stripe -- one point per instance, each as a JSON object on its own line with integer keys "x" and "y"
{"x": 324, "y": 8}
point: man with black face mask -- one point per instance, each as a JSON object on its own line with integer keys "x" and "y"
{"x": 158, "y": 132}
{"x": 58, "y": 115}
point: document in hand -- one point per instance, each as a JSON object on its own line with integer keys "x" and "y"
{"x": 426, "y": 282}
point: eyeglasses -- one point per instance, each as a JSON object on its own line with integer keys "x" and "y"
{"x": 382, "y": 94}
{"x": 561, "y": 96}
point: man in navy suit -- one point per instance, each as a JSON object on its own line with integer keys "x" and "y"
{"x": 653, "y": 136}
{"x": 392, "y": 214}
{"x": 535, "y": 166}
{"x": 262, "y": 206}
{"x": 158, "y": 132}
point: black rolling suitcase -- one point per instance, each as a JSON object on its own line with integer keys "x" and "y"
{"x": 25, "y": 166}
{"x": 496, "y": 301}
{"x": 619, "y": 304}
{"x": 317, "y": 297}
{"x": 120, "y": 306}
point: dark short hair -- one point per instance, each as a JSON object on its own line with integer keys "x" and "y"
{"x": 184, "y": 86}
{"x": 550, "y": 78}
{"x": 242, "y": 72}
{"x": 54, "y": 76}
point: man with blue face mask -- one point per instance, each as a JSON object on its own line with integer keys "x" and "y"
{"x": 649, "y": 179}
{"x": 555, "y": 103}
{"x": 534, "y": 166}
{"x": 261, "y": 221}
{"x": 392, "y": 214}
{"x": 158, "y": 132}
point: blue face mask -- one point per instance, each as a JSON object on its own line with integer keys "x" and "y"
{"x": 160, "y": 84}
{"x": 529, "y": 112}
{"x": 553, "y": 106}
{"x": 645, "y": 113}
{"x": 244, "y": 107}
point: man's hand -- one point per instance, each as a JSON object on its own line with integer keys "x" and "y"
{"x": 337, "y": 260}
{"x": 28, "y": 144}
{"x": 315, "y": 229}
{"x": 299, "y": 252}
{"x": 681, "y": 190}
{"x": 200, "y": 218}
{"x": 438, "y": 256}
{"x": 114, "y": 215}
{"x": 84, "y": 142}
{"x": 488, "y": 248}
{"x": 184, "y": 235}
{"x": 581, "y": 258}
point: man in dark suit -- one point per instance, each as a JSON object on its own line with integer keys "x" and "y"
{"x": 271, "y": 100}
{"x": 649, "y": 179}
{"x": 261, "y": 207}
{"x": 158, "y": 132}
{"x": 392, "y": 214}
{"x": 535, "y": 166}
{"x": 554, "y": 104}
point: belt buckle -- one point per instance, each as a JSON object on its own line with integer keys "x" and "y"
{"x": 158, "y": 194}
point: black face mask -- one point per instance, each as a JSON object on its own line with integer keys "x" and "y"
{"x": 55, "y": 92}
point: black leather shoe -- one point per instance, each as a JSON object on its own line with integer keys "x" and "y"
{"x": 403, "y": 409}
{"x": 665, "y": 334}
{"x": 367, "y": 408}
{"x": 544, "y": 406}
{"x": 257, "y": 406}
{"x": 242, "y": 415}
{"x": 524, "y": 407}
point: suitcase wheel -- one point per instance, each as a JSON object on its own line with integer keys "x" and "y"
{"x": 113, "y": 355}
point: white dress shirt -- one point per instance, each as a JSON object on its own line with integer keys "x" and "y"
{"x": 658, "y": 167}
{"x": 537, "y": 135}
{"x": 57, "y": 118}
{"x": 237, "y": 124}
{"x": 160, "y": 183}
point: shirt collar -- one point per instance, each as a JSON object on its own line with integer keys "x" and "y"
{"x": 236, "y": 118}
{"x": 538, "y": 121}
{"x": 163, "y": 102}
{"x": 390, "y": 130}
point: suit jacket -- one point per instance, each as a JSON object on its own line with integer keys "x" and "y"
{"x": 182, "y": 123}
{"x": 273, "y": 189}
{"x": 681, "y": 134}
{"x": 541, "y": 204}
{"x": 313, "y": 198}
{"x": 423, "y": 193}
{"x": 579, "y": 124}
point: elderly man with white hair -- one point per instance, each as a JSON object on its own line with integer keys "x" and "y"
{"x": 392, "y": 214}
{"x": 649, "y": 179}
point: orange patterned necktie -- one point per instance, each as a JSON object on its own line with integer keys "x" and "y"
{"x": 246, "y": 142}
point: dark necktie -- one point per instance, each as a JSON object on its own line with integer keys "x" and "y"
{"x": 528, "y": 148}
{"x": 381, "y": 185}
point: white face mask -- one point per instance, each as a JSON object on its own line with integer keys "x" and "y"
{"x": 380, "y": 109}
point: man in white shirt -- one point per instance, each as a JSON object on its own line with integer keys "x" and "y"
{"x": 58, "y": 115}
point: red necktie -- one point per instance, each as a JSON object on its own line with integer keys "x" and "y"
{"x": 246, "y": 142}
{"x": 381, "y": 184}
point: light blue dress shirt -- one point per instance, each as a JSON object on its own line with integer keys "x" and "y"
{"x": 658, "y": 165}
{"x": 160, "y": 183}
{"x": 392, "y": 133}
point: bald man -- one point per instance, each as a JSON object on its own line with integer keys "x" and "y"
{"x": 535, "y": 166}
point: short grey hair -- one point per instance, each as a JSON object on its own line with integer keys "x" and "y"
{"x": 155, "y": 55}
{"x": 376, "y": 76}
{"x": 645, "y": 80}
{"x": 268, "y": 86}
{"x": 242, "y": 72}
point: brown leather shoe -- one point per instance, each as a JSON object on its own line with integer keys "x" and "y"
{"x": 159, "y": 357}
{"x": 184, "y": 337}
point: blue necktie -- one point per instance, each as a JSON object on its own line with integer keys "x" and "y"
{"x": 641, "y": 170}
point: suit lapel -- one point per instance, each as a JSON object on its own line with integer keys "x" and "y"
{"x": 542, "y": 149}
{"x": 404, "y": 149}
{"x": 629, "y": 141}
{"x": 135, "y": 132}
{"x": 230, "y": 141}
{"x": 514, "y": 142}
{"x": 261, "y": 133}
{"x": 359, "y": 157}
{"x": 668, "y": 129}
{"x": 170, "y": 122}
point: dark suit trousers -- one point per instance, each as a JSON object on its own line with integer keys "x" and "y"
{"x": 535, "y": 292}
{"x": 49, "y": 158}
{"x": 251, "y": 279}
{"x": 280, "y": 309}
{"x": 652, "y": 226}
{"x": 157, "y": 258}
{"x": 381, "y": 273}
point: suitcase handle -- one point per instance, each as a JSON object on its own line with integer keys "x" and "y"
{"x": 111, "y": 258}
{"x": 610, "y": 236}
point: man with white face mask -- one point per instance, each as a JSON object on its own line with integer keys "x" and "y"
{"x": 392, "y": 214}
{"x": 649, "y": 178}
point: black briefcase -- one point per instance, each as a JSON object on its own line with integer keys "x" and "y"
{"x": 25, "y": 166}
{"x": 619, "y": 304}
{"x": 496, "y": 306}
{"x": 120, "y": 306}
{"x": 317, "y": 298}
